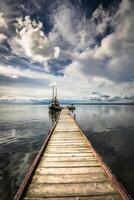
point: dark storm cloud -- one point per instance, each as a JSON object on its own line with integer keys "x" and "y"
{"x": 4, "y": 50}
{"x": 22, "y": 82}
{"x": 21, "y": 62}
{"x": 57, "y": 67}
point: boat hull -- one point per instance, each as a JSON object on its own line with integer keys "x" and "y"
{"x": 54, "y": 108}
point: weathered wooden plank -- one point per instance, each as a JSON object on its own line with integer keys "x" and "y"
{"x": 76, "y": 145}
{"x": 71, "y": 143}
{"x": 67, "y": 145}
{"x": 73, "y": 125}
{"x": 69, "y": 164}
{"x": 59, "y": 139}
{"x": 67, "y": 139}
{"x": 66, "y": 136}
{"x": 70, "y": 189}
{"x": 73, "y": 133}
{"x": 90, "y": 154}
{"x": 71, "y": 170}
{"x": 55, "y": 148}
{"x": 67, "y": 150}
{"x": 64, "y": 141}
{"x": 100, "y": 197}
{"x": 67, "y": 132}
{"x": 71, "y": 137}
{"x": 70, "y": 133}
{"x": 68, "y": 159}
{"x": 61, "y": 150}
{"x": 75, "y": 178}
{"x": 67, "y": 122}
{"x": 67, "y": 129}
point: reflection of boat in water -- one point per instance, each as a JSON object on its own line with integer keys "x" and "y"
{"x": 54, "y": 104}
{"x": 53, "y": 116}
{"x": 71, "y": 107}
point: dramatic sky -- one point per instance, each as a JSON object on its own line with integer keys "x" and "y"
{"x": 85, "y": 47}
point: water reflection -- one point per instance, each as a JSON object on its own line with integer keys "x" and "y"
{"x": 110, "y": 129}
{"x": 22, "y": 132}
{"x": 53, "y": 116}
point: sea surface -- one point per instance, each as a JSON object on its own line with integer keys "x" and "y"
{"x": 23, "y": 129}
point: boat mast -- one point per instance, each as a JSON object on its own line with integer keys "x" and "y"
{"x": 56, "y": 93}
{"x": 53, "y": 91}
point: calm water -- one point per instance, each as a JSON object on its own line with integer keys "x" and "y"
{"x": 24, "y": 128}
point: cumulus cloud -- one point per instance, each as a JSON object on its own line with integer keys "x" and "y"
{"x": 3, "y": 21}
{"x": 122, "y": 38}
{"x": 2, "y": 37}
{"x": 112, "y": 59}
{"x": 72, "y": 27}
{"x": 31, "y": 41}
{"x": 101, "y": 20}
{"x": 119, "y": 45}
{"x": 3, "y": 26}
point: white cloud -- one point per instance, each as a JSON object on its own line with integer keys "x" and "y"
{"x": 103, "y": 19}
{"x": 63, "y": 24}
{"x": 3, "y": 25}
{"x": 71, "y": 28}
{"x": 24, "y": 93}
{"x": 31, "y": 41}
{"x": 3, "y": 21}
{"x": 121, "y": 41}
{"x": 113, "y": 59}
{"x": 13, "y": 72}
{"x": 2, "y": 37}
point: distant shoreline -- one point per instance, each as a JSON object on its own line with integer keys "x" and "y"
{"x": 75, "y": 103}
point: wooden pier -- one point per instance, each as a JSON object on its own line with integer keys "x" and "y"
{"x": 68, "y": 168}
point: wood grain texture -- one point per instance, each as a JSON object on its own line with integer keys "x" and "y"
{"x": 100, "y": 197}
{"x": 70, "y": 189}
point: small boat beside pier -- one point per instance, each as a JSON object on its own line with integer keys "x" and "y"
{"x": 71, "y": 107}
{"x": 68, "y": 168}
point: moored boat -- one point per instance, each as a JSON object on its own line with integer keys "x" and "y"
{"x": 54, "y": 105}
